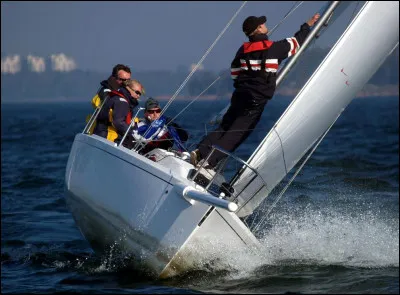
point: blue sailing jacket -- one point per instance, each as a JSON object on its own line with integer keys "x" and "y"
{"x": 161, "y": 130}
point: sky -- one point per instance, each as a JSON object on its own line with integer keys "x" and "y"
{"x": 146, "y": 35}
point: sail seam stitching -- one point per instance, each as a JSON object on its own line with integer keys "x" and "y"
{"x": 283, "y": 152}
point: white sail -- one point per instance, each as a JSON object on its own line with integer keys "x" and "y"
{"x": 356, "y": 56}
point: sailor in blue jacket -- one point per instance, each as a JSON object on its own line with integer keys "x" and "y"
{"x": 158, "y": 130}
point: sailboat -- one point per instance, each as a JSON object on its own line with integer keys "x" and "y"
{"x": 154, "y": 208}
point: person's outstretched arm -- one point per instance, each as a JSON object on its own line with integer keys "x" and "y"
{"x": 287, "y": 47}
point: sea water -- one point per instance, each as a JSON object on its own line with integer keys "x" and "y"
{"x": 335, "y": 230}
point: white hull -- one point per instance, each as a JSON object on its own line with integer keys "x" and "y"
{"x": 119, "y": 198}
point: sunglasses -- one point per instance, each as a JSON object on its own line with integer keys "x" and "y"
{"x": 122, "y": 79}
{"x": 136, "y": 91}
{"x": 153, "y": 111}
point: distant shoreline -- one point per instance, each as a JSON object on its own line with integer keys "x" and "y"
{"x": 368, "y": 91}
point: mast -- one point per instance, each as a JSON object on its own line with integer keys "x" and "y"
{"x": 326, "y": 15}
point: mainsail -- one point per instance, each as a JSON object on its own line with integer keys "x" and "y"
{"x": 356, "y": 56}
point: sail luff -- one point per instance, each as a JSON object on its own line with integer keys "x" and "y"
{"x": 352, "y": 61}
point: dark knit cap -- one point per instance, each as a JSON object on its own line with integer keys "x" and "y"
{"x": 251, "y": 23}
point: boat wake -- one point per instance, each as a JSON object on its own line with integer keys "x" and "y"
{"x": 311, "y": 237}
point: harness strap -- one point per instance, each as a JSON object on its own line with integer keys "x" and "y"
{"x": 118, "y": 94}
{"x": 129, "y": 115}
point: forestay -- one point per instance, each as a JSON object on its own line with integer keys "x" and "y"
{"x": 356, "y": 56}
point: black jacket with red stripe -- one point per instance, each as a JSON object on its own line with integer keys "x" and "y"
{"x": 255, "y": 65}
{"x": 122, "y": 104}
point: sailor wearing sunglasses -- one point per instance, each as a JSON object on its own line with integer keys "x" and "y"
{"x": 158, "y": 130}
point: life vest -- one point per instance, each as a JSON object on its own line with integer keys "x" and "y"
{"x": 128, "y": 116}
{"x": 96, "y": 103}
{"x": 112, "y": 132}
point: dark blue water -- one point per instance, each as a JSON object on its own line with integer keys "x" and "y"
{"x": 335, "y": 230}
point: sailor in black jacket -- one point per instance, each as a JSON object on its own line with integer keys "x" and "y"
{"x": 120, "y": 74}
{"x": 253, "y": 70}
{"x": 118, "y": 111}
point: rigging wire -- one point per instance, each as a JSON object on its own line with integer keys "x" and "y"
{"x": 327, "y": 12}
{"x": 354, "y": 13}
{"x": 287, "y": 14}
{"x": 294, "y": 7}
{"x": 193, "y": 100}
{"x": 291, "y": 10}
{"x": 198, "y": 64}
{"x": 294, "y": 175}
{"x": 291, "y": 180}
{"x": 203, "y": 57}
